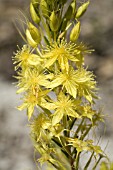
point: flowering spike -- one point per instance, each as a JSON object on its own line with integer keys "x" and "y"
{"x": 58, "y": 91}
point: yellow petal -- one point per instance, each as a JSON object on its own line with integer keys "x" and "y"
{"x": 30, "y": 111}
{"x": 22, "y": 107}
{"x": 57, "y": 118}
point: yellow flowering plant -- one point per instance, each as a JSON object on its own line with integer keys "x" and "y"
{"x": 58, "y": 91}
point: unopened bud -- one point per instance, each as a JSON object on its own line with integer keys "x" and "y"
{"x": 54, "y": 23}
{"x": 33, "y": 34}
{"x": 35, "y": 3}
{"x": 34, "y": 15}
{"x": 64, "y": 24}
{"x": 44, "y": 8}
{"x": 69, "y": 13}
{"x": 75, "y": 32}
{"x": 73, "y": 5}
{"x": 81, "y": 10}
{"x": 30, "y": 40}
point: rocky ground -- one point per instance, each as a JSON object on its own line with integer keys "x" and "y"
{"x": 16, "y": 152}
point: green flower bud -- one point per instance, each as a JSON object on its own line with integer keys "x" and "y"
{"x": 75, "y": 32}
{"x": 34, "y": 15}
{"x": 81, "y": 10}
{"x": 35, "y": 3}
{"x": 73, "y": 5}
{"x": 69, "y": 13}
{"x": 54, "y": 23}
{"x": 34, "y": 32}
{"x": 64, "y": 24}
{"x": 30, "y": 40}
{"x": 44, "y": 8}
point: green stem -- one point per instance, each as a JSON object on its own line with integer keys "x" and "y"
{"x": 64, "y": 152}
{"x": 55, "y": 35}
{"x": 77, "y": 161}
{"x": 79, "y": 128}
{"x": 97, "y": 163}
{"x": 38, "y": 51}
{"x": 46, "y": 111}
{"x": 89, "y": 161}
{"x": 53, "y": 165}
{"x": 72, "y": 123}
{"x": 65, "y": 124}
{"x": 87, "y": 131}
{"x": 45, "y": 27}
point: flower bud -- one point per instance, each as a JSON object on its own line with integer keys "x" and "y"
{"x": 54, "y": 23}
{"x": 73, "y": 5}
{"x": 75, "y": 32}
{"x": 35, "y": 3}
{"x": 64, "y": 24}
{"x": 44, "y": 8}
{"x": 69, "y": 13}
{"x": 33, "y": 34}
{"x": 30, "y": 40}
{"x": 81, "y": 10}
{"x": 34, "y": 15}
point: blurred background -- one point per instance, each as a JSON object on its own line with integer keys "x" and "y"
{"x": 16, "y": 151}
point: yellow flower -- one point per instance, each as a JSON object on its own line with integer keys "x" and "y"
{"x": 86, "y": 145}
{"x": 31, "y": 100}
{"x": 80, "y": 50}
{"x": 63, "y": 106}
{"x": 88, "y": 112}
{"x": 62, "y": 52}
{"x": 31, "y": 79}
{"x": 23, "y": 58}
{"x": 39, "y": 124}
{"x": 77, "y": 82}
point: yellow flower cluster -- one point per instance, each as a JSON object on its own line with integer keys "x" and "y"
{"x": 58, "y": 90}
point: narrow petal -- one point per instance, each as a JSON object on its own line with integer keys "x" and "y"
{"x": 57, "y": 118}
{"x": 55, "y": 83}
{"x": 50, "y": 61}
